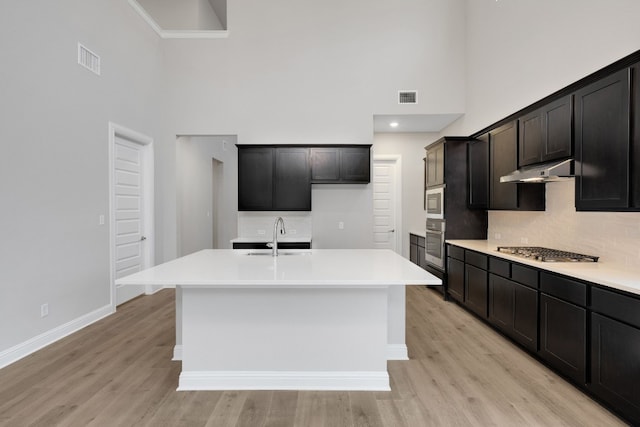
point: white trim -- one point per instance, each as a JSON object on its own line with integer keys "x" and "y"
{"x": 397, "y": 352}
{"x": 177, "y": 34}
{"x": 177, "y": 352}
{"x": 148, "y": 176}
{"x": 284, "y": 380}
{"x": 28, "y": 347}
{"x": 397, "y": 160}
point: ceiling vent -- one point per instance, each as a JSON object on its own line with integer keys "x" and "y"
{"x": 408, "y": 97}
{"x": 88, "y": 59}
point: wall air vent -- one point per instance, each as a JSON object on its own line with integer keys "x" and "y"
{"x": 88, "y": 59}
{"x": 408, "y": 97}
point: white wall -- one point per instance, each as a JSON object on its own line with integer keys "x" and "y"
{"x": 195, "y": 192}
{"x": 410, "y": 147}
{"x": 315, "y": 73}
{"x": 518, "y": 52}
{"x": 522, "y": 51}
{"x": 54, "y": 161}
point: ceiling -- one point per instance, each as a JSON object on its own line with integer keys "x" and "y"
{"x": 413, "y": 122}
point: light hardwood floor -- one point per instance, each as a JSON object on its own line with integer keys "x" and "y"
{"x": 118, "y": 372}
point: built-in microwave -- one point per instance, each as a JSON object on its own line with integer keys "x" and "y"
{"x": 435, "y": 203}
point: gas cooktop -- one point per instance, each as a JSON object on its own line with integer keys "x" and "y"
{"x": 546, "y": 254}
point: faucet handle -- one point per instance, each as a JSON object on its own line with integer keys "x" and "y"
{"x": 270, "y": 245}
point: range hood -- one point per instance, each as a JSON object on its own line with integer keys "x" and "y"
{"x": 546, "y": 172}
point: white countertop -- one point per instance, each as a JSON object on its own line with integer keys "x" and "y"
{"x": 292, "y": 268}
{"x": 267, "y": 239}
{"x": 602, "y": 273}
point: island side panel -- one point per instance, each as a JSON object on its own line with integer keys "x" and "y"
{"x": 396, "y": 346}
{"x": 285, "y": 338}
{"x": 177, "y": 349}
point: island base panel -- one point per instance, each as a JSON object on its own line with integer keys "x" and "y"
{"x": 288, "y": 338}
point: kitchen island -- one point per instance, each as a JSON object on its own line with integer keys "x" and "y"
{"x": 304, "y": 320}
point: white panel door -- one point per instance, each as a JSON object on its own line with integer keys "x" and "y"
{"x": 128, "y": 211}
{"x": 384, "y": 205}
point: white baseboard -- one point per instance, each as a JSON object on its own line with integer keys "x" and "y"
{"x": 177, "y": 352}
{"x": 397, "y": 352}
{"x": 284, "y": 380}
{"x": 24, "y": 349}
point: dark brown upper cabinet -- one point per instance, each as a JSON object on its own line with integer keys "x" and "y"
{"x": 435, "y": 165}
{"x": 602, "y": 122}
{"x": 273, "y": 178}
{"x": 478, "y": 173}
{"x": 341, "y": 164}
{"x": 547, "y": 133}
{"x": 503, "y": 159}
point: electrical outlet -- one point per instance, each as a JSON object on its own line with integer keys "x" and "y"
{"x": 341, "y": 225}
{"x": 292, "y": 231}
{"x": 44, "y": 310}
{"x": 261, "y": 232}
{"x": 524, "y": 240}
{"x": 497, "y": 236}
{"x": 101, "y": 220}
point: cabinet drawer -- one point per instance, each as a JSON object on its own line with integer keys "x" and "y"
{"x": 413, "y": 239}
{"x": 525, "y": 275}
{"x": 615, "y": 305}
{"x": 476, "y": 259}
{"x": 500, "y": 267}
{"x": 456, "y": 252}
{"x": 563, "y": 288}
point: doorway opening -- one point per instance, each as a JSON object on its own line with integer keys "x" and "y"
{"x": 207, "y": 183}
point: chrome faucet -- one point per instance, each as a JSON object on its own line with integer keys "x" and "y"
{"x": 274, "y": 244}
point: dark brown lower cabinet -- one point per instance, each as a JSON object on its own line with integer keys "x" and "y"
{"x": 476, "y": 290}
{"x": 513, "y": 308}
{"x": 563, "y": 337}
{"x": 455, "y": 278}
{"x": 615, "y": 365}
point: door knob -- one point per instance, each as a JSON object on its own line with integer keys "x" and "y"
{"x": 143, "y": 238}
{"x": 392, "y": 230}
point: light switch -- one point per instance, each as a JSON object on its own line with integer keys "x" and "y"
{"x": 341, "y": 225}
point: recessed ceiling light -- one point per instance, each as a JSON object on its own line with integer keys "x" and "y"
{"x": 394, "y": 124}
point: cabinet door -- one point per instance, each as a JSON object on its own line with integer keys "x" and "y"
{"x": 455, "y": 278}
{"x": 615, "y": 365}
{"x": 635, "y": 150}
{"x": 325, "y": 164}
{"x": 435, "y": 165}
{"x": 292, "y": 190}
{"x": 355, "y": 164}
{"x": 557, "y": 129}
{"x": 413, "y": 251}
{"x": 501, "y": 302}
{"x": 563, "y": 335}
{"x": 255, "y": 178}
{"x": 602, "y": 143}
{"x": 503, "y": 160}
{"x": 530, "y": 138}
{"x": 478, "y": 163}
{"x": 525, "y": 316}
{"x": 476, "y": 290}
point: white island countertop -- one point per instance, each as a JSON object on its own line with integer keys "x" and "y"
{"x": 291, "y": 268}
{"x": 601, "y": 273}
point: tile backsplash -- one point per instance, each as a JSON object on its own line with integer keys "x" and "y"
{"x": 613, "y": 236}
{"x": 260, "y": 224}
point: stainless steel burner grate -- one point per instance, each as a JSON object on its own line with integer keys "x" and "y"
{"x": 546, "y": 254}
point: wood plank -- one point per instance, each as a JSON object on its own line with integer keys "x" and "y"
{"x": 118, "y": 372}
